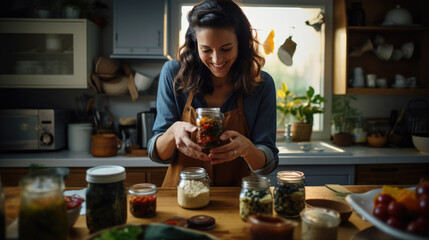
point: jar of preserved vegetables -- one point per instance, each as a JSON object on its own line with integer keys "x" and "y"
{"x": 106, "y": 197}
{"x": 289, "y": 193}
{"x": 209, "y": 124}
{"x": 193, "y": 190}
{"x": 255, "y": 197}
{"x": 143, "y": 200}
{"x": 42, "y": 213}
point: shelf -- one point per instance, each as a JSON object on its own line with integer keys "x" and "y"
{"x": 388, "y": 91}
{"x": 387, "y": 28}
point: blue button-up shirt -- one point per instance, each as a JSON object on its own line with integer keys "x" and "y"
{"x": 259, "y": 110}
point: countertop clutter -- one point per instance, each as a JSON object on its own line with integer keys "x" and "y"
{"x": 223, "y": 207}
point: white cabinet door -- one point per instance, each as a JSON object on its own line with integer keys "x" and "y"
{"x": 139, "y": 28}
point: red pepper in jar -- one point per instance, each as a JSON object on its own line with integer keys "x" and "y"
{"x": 143, "y": 206}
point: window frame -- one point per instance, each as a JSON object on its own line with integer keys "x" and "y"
{"x": 327, "y": 5}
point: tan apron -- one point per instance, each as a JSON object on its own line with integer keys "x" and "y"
{"x": 223, "y": 174}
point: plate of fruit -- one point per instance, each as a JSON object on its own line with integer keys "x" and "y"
{"x": 399, "y": 212}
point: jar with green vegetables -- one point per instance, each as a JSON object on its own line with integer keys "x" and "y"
{"x": 255, "y": 197}
{"x": 42, "y": 213}
{"x": 106, "y": 197}
{"x": 289, "y": 193}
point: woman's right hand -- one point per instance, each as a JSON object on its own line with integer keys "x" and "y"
{"x": 182, "y": 136}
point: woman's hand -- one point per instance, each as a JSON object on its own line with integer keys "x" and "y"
{"x": 182, "y": 136}
{"x": 237, "y": 146}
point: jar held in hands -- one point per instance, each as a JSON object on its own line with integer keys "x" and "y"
{"x": 209, "y": 124}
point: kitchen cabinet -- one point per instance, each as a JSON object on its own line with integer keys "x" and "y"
{"x": 381, "y": 174}
{"x": 76, "y": 178}
{"x": 319, "y": 175}
{"x": 140, "y": 29}
{"x": 47, "y": 53}
{"x": 348, "y": 38}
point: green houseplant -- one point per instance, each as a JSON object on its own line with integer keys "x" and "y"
{"x": 300, "y": 107}
{"x": 343, "y": 115}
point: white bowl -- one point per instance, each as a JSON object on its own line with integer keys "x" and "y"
{"x": 73, "y": 215}
{"x": 421, "y": 143}
{"x": 142, "y": 82}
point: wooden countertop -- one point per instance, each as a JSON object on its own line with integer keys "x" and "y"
{"x": 224, "y": 207}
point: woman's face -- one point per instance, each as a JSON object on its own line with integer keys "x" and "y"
{"x": 217, "y": 48}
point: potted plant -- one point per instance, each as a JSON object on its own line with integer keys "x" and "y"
{"x": 76, "y": 8}
{"x": 302, "y": 108}
{"x": 343, "y": 115}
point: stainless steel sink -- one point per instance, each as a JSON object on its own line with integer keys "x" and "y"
{"x": 317, "y": 148}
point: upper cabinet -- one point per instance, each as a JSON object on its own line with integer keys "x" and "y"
{"x": 140, "y": 29}
{"x": 366, "y": 42}
{"x": 47, "y": 53}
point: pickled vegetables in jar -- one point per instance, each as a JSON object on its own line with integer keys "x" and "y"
{"x": 209, "y": 124}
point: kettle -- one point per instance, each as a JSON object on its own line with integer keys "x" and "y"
{"x": 145, "y": 121}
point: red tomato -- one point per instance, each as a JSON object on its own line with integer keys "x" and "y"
{"x": 384, "y": 199}
{"x": 397, "y": 210}
{"x": 73, "y": 201}
{"x": 380, "y": 212}
{"x": 422, "y": 189}
{"x": 424, "y": 205}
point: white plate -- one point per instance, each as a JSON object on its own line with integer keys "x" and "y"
{"x": 362, "y": 203}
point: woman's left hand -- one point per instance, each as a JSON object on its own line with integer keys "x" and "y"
{"x": 237, "y": 146}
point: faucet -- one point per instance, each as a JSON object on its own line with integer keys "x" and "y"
{"x": 288, "y": 136}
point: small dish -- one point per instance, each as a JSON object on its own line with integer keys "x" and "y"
{"x": 343, "y": 209}
{"x": 73, "y": 215}
{"x": 271, "y": 227}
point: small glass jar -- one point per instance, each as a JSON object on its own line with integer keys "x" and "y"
{"x": 106, "y": 197}
{"x": 255, "y": 197}
{"x": 143, "y": 200}
{"x": 289, "y": 193}
{"x": 193, "y": 190}
{"x": 42, "y": 213}
{"x": 317, "y": 222}
{"x": 209, "y": 124}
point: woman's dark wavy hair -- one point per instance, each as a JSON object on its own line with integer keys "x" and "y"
{"x": 193, "y": 75}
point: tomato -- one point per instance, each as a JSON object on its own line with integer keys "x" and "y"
{"x": 384, "y": 199}
{"x": 397, "y": 210}
{"x": 422, "y": 189}
{"x": 380, "y": 212}
{"x": 395, "y": 222}
{"x": 73, "y": 201}
{"x": 424, "y": 205}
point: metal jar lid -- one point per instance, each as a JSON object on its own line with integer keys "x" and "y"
{"x": 143, "y": 189}
{"x": 193, "y": 173}
{"x": 105, "y": 174}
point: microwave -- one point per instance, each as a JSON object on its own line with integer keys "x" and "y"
{"x": 34, "y": 129}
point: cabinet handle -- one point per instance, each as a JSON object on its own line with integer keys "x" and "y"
{"x": 384, "y": 169}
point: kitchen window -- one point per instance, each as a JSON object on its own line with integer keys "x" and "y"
{"x": 312, "y": 59}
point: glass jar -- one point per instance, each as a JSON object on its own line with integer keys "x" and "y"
{"x": 209, "y": 124}
{"x": 289, "y": 193}
{"x": 317, "y": 222}
{"x": 255, "y": 197}
{"x": 106, "y": 197}
{"x": 143, "y": 200}
{"x": 2, "y": 214}
{"x": 42, "y": 213}
{"x": 193, "y": 190}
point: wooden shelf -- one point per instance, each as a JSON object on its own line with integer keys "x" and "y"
{"x": 388, "y": 91}
{"x": 387, "y": 28}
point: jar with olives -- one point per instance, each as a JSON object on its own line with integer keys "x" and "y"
{"x": 209, "y": 124}
{"x": 106, "y": 197}
{"x": 289, "y": 193}
{"x": 255, "y": 197}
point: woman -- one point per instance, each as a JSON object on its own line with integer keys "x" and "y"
{"x": 218, "y": 66}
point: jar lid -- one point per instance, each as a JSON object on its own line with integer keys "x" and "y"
{"x": 255, "y": 182}
{"x": 193, "y": 173}
{"x": 105, "y": 174}
{"x": 41, "y": 182}
{"x": 290, "y": 176}
{"x": 143, "y": 189}
{"x": 208, "y": 110}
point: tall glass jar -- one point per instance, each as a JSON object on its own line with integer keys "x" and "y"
{"x": 209, "y": 124}
{"x": 106, "y": 197}
{"x": 193, "y": 190}
{"x": 255, "y": 197}
{"x": 42, "y": 213}
{"x": 2, "y": 214}
{"x": 289, "y": 193}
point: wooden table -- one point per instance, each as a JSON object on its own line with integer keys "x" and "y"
{"x": 224, "y": 207}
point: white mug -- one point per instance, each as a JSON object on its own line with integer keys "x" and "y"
{"x": 381, "y": 82}
{"x": 370, "y": 80}
{"x": 399, "y": 80}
